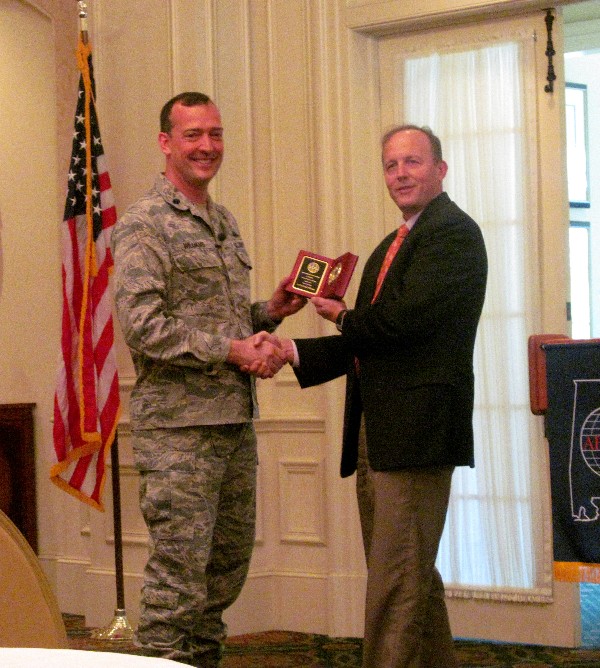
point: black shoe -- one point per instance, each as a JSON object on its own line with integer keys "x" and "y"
{"x": 209, "y": 659}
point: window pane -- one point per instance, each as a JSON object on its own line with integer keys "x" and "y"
{"x": 579, "y": 261}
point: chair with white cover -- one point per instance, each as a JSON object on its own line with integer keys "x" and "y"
{"x": 29, "y": 612}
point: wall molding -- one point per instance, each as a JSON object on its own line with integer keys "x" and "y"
{"x": 302, "y": 501}
{"x": 377, "y": 18}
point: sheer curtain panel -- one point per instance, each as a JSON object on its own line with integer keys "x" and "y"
{"x": 497, "y": 538}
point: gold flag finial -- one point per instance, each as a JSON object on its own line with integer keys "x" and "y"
{"x": 83, "y": 14}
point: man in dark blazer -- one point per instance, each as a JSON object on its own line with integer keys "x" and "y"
{"x": 407, "y": 351}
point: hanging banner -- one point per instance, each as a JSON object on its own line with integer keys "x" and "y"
{"x": 573, "y": 433}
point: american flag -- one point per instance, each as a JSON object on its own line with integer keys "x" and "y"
{"x": 86, "y": 402}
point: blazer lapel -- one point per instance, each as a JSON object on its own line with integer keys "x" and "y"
{"x": 427, "y": 217}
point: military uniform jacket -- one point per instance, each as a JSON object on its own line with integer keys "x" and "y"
{"x": 414, "y": 347}
{"x": 182, "y": 292}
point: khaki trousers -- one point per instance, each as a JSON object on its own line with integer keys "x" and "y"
{"x": 402, "y": 518}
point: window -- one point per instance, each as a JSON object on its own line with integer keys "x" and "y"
{"x": 579, "y": 260}
{"x": 478, "y": 97}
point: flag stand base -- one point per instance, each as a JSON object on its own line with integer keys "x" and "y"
{"x": 118, "y": 629}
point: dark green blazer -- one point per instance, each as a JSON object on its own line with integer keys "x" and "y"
{"x": 414, "y": 347}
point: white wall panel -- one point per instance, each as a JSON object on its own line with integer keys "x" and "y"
{"x": 134, "y": 77}
{"x": 192, "y": 47}
{"x": 30, "y": 216}
{"x": 302, "y": 504}
{"x": 292, "y": 132}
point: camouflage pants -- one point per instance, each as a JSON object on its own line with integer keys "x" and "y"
{"x": 197, "y": 496}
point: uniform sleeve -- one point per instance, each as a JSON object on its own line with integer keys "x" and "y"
{"x": 141, "y": 281}
{"x": 261, "y": 320}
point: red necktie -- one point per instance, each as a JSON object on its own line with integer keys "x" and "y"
{"x": 403, "y": 230}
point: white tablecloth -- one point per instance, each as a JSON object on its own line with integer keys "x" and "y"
{"x": 28, "y": 657}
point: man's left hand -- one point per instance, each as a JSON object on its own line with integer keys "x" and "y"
{"x": 328, "y": 308}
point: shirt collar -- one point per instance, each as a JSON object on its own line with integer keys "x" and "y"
{"x": 412, "y": 220}
{"x": 176, "y": 198}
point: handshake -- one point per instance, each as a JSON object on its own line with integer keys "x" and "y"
{"x": 261, "y": 354}
{"x": 264, "y": 354}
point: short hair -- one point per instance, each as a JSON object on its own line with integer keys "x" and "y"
{"x": 188, "y": 99}
{"x": 434, "y": 141}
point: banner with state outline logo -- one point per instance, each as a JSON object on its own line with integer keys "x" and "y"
{"x": 573, "y": 433}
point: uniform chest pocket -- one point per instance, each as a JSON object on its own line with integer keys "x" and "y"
{"x": 194, "y": 257}
{"x": 198, "y": 276}
{"x": 242, "y": 254}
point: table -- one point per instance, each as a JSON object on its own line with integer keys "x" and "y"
{"x": 29, "y": 657}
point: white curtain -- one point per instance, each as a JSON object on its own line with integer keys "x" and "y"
{"x": 477, "y": 99}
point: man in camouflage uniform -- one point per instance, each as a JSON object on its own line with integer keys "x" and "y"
{"x": 183, "y": 300}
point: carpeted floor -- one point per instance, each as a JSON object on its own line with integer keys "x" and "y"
{"x": 287, "y": 649}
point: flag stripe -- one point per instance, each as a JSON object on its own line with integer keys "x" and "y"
{"x": 86, "y": 402}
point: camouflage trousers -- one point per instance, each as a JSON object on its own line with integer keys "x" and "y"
{"x": 197, "y": 496}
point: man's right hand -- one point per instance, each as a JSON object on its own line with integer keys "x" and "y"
{"x": 287, "y": 349}
{"x": 259, "y": 354}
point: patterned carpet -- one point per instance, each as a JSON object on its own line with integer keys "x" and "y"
{"x": 287, "y": 649}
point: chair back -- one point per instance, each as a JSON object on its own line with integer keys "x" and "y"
{"x": 29, "y": 612}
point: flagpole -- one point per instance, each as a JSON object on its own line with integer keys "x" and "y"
{"x": 119, "y": 628}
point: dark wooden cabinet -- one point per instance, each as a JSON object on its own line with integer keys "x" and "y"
{"x": 17, "y": 468}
